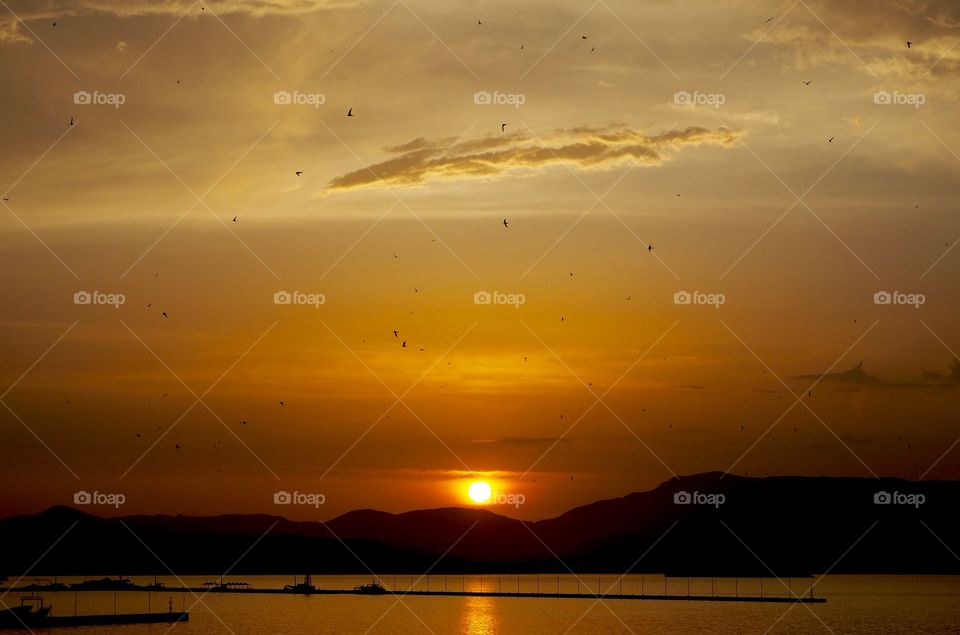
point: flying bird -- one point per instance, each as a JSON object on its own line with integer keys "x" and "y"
{"x": 234, "y": 219}
{"x": 179, "y": 446}
{"x": 503, "y": 127}
{"x": 71, "y": 121}
{"x": 830, "y": 140}
{"x": 808, "y": 83}
{"x": 506, "y": 223}
{"x": 909, "y": 44}
{"x": 396, "y": 333}
{"x": 282, "y": 403}
{"x": 350, "y": 112}
{"x": 404, "y": 344}
{"x": 298, "y": 172}
{"x": 479, "y": 22}
{"x": 768, "y": 19}
{"x": 164, "y": 313}
{"x": 583, "y": 37}
{"x": 650, "y": 247}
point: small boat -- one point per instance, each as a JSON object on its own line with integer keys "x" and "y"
{"x": 226, "y": 586}
{"x": 371, "y": 588}
{"x": 30, "y": 611}
{"x": 303, "y": 587}
{"x": 104, "y": 584}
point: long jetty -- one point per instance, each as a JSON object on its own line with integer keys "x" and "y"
{"x": 696, "y": 597}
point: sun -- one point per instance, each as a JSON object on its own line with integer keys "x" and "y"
{"x": 479, "y": 492}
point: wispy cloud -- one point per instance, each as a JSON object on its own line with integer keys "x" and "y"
{"x": 584, "y": 147}
{"x": 11, "y": 31}
{"x": 856, "y": 376}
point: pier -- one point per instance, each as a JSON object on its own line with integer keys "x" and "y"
{"x": 495, "y": 590}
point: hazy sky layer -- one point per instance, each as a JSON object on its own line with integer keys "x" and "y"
{"x": 790, "y": 160}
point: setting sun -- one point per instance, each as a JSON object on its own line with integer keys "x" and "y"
{"x": 479, "y": 492}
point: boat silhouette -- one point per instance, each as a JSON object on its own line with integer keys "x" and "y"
{"x": 371, "y": 588}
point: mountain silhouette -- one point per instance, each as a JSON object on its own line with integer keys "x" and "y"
{"x": 788, "y": 526}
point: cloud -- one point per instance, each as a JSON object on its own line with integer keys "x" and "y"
{"x": 521, "y": 441}
{"x": 856, "y": 376}
{"x": 12, "y": 30}
{"x": 871, "y": 32}
{"x": 583, "y": 147}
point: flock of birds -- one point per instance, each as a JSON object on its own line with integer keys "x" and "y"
{"x": 506, "y": 224}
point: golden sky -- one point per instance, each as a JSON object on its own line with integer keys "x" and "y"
{"x": 790, "y": 160}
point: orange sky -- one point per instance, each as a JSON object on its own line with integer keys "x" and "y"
{"x": 686, "y": 126}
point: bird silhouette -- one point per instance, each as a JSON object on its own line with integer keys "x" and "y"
{"x": 506, "y": 223}
{"x": 768, "y": 19}
{"x": 503, "y": 127}
{"x": 350, "y": 112}
{"x": 479, "y": 22}
{"x": 299, "y": 172}
{"x": 583, "y": 37}
{"x": 282, "y": 403}
{"x": 164, "y": 314}
{"x": 396, "y": 333}
{"x": 234, "y": 219}
{"x": 650, "y": 247}
{"x": 71, "y": 121}
{"x": 404, "y": 344}
{"x": 179, "y": 446}
{"x": 830, "y": 140}
{"x": 909, "y": 44}
{"x": 808, "y": 83}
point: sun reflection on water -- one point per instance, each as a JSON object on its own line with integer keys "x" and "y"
{"x": 478, "y": 617}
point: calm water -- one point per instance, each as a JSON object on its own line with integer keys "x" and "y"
{"x": 856, "y": 604}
